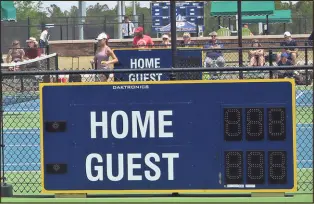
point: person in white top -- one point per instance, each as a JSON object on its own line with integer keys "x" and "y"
{"x": 165, "y": 41}
{"x": 43, "y": 40}
{"x": 127, "y": 28}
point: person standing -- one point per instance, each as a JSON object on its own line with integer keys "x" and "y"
{"x": 127, "y": 28}
{"x": 141, "y": 40}
{"x": 102, "y": 57}
{"x": 43, "y": 40}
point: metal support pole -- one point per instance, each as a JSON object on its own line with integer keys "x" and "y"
{"x": 218, "y": 22}
{"x": 240, "y": 37}
{"x": 28, "y": 27}
{"x": 267, "y": 22}
{"x": 67, "y": 28}
{"x": 119, "y": 10}
{"x": 61, "y": 34}
{"x": 173, "y": 36}
{"x": 123, "y": 7}
{"x": 270, "y": 60}
{"x": 82, "y": 15}
{"x": 135, "y": 17}
{"x": 229, "y": 23}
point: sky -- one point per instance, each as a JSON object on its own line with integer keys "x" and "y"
{"x": 66, "y": 5}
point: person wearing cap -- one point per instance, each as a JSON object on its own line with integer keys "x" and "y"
{"x": 186, "y": 40}
{"x": 284, "y": 61}
{"x": 292, "y": 52}
{"x": 127, "y": 28}
{"x": 43, "y": 40}
{"x": 140, "y": 40}
{"x": 214, "y": 53}
{"x": 102, "y": 57}
{"x": 32, "y": 51}
{"x": 165, "y": 41}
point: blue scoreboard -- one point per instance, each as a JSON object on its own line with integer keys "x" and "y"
{"x": 153, "y": 58}
{"x": 168, "y": 136}
{"x": 192, "y": 12}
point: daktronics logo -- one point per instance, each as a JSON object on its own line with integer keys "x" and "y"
{"x": 131, "y": 87}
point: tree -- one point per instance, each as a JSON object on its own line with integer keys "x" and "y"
{"x": 31, "y": 10}
{"x": 55, "y": 11}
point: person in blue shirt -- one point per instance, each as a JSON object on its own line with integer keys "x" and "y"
{"x": 214, "y": 55}
{"x": 284, "y": 61}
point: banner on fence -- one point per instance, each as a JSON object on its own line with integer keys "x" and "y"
{"x": 183, "y": 136}
{"x": 155, "y": 58}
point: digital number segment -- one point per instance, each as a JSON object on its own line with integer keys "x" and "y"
{"x": 254, "y": 119}
{"x": 276, "y": 119}
{"x": 254, "y": 124}
{"x": 233, "y": 124}
{"x": 255, "y": 167}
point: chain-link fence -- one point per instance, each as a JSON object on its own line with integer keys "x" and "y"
{"x": 20, "y": 119}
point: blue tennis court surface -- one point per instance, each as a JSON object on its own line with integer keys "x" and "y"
{"x": 22, "y": 148}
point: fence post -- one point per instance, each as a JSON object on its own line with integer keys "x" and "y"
{"x": 105, "y": 24}
{"x": 67, "y": 26}
{"x": 57, "y": 66}
{"x": 61, "y": 32}
{"x": 306, "y": 53}
{"x": 28, "y": 27}
{"x": 6, "y": 189}
{"x": 307, "y": 82}
{"x": 143, "y": 23}
{"x": 48, "y": 60}
{"x": 270, "y": 60}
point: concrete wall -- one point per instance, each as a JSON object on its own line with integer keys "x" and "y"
{"x": 76, "y": 48}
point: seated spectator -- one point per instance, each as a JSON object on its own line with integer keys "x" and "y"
{"x": 292, "y": 52}
{"x": 284, "y": 61}
{"x": 165, "y": 41}
{"x": 140, "y": 40}
{"x": 15, "y": 54}
{"x": 32, "y": 51}
{"x": 214, "y": 54}
{"x": 256, "y": 56}
{"x": 186, "y": 40}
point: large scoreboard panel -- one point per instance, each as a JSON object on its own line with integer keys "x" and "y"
{"x": 191, "y": 11}
{"x": 180, "y": 136}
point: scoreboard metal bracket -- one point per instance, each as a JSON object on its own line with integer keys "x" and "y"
{"x": 54, "y": 168}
